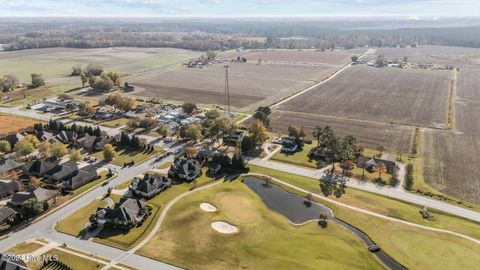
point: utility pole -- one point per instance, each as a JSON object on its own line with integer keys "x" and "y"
{"x": 227, "y": 92}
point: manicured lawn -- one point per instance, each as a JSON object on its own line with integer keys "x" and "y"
{"x": 125, "y": 155}
{"x": 299, "y": 158}
{"x": 75, "y": 262}
{"x": 74, "y": 224}
{"x": 115, "y": 123}
{"x": 357, "y": 173}
{"x": 265, "y": 239}
{"x": 124, "y": 185}
{"x": 380, "y": 204}
{"x": 165, "y": 165}
{"x": 25, "y": 248}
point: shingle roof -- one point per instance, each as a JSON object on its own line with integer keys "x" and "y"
{"x": 5, "y": 213}
{"x": 127, "y": 211}
{"x": 63, "y": 170}
{"x": 151, "y": 183}
{"x": 40, "y": 194}
{"x": 41, "y": 166}
{"x": 7, "y": 164}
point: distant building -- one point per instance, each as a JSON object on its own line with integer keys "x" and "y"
{"x": 234, "y": 139}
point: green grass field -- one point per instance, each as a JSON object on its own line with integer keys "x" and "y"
{"x": 56, "y": 63}
{"x": 115, "y": 123}
{"x": 299, "y": 158}
{"x": 380, "y": 204}
{"x": 125, "y": 155}
{"x": 74, "y": 224}
{"x": 265, "y": 239}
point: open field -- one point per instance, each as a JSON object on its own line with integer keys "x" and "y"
{"x": 60, "y": 61}
{"x": 468, "y": 86}
{"x": 440, "y": 55}
{"x": 75, "y": 262}
{"x": 265, "y": 239}
{"x": 10, "y": 124}
{"x": 413, "y": 97}
{"x": 251, "y": 85}
{"x": 372, "y": 135}
{"x": 338, "y": 57}
{"x": 30, "y": 96}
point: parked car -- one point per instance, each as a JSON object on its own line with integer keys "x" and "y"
{"x": 374, "y": 248}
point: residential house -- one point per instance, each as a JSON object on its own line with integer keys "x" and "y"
{"x": 7, "y": 215}
{"x": 61, "y": 172}
{"x": 7, "y": 165}
{"x": 39, "y": 168}
{"x": 289, "y": 146}
{"x": 8, "y": 188}
{"x": 80, "y": 177}
{"x": 371, "y": 163}
{"x": 14, "y": 138}
{"x": 150, "y": 185}
{"x": 94, "y": 143}
{"x": 185, "y": 169}
{"x": 67, "y": 137}
{"x": 40, "y": 194}
{"x": 126, "y": 214}
{"x": 45, "y": 136}
{"x": 214, "y": 168}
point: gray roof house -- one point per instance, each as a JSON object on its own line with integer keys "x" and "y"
{"x": 127, "y": 214}
{"x": 6, "y": 214}
{"x": 150, "y": 185}
{"x": 8, "y": 188}
{"x": 185, "y": 169}
{"x": 67, "y": 137}
{"x": 40, "y": 167}
{"x": 61, "y": 171}
{"x": 7, "y": 165}
{"x": 80, "y": 177}
{"x": 40, "y": 194}
{"x": 94, "y": 143}
{"x": 370, "y": 163}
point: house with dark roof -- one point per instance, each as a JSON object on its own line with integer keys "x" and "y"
{"x": 94, "y": 143}
{"x": 185, "y": 169}
{"x": 39, "y": 168}
{"x": 234, "y": 138}
{"x": 7, "y": 165}
{"x": 14, "y": 138}
{"x": 45, "y": 136}
{"x": 67, "y": 137}
{"x": 150, "y": 185}
{"x": 80, "y": 177}
{"x": 8, "y": 188}
{"x": 11, "y": 262}
{"x": 125, "y": 214}
{"x": 39, "y": 194}
{"x": 372, "y": 163}
{"x": 61, "y": 172}
{"x": 7, "y": 215}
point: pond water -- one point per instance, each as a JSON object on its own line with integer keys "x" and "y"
{"x": 293, "y": 208}
{"x": 287, "y": 204}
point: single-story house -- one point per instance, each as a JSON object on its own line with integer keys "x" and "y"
{"x": 185, "y": 169}
{"x": 80, "y": 177}
{"x": 40, "y": 194}
{"x": 45, "y": 136}
{"x": 371, "y": 163}
{"x": 39, "y": 168}
{"x": 8, "y": 188}
{"x": 94, "y": 143}
{"x": 150, "y": 185}
{"x": 7, "y": 214}
{"x": 7, "y": 165}
{"x": 11, "y": 262}
{"x": 125, "y": 214}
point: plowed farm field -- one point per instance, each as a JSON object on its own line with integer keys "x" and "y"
{"x": 388, "y": 95}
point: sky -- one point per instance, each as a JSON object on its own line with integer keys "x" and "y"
{"x": 238, "y": 8}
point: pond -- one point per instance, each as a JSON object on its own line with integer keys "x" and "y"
{"x": 294, "y": 209}
{"x": 285, "y": 203}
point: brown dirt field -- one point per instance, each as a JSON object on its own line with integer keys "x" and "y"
{"x": 467, "y": 118}
{"x": 413, "y": 97}
{"x": 294, "y": 56}
{"x": 251, "y": 85}
{"x": 395, "y": 138}
{"x": 452, "y": 164}
{"x": 10, "y": 124}
{"x": 440, "y": 55}
{"x": 468, "y": 85}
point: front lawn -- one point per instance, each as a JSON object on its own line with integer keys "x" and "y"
{"x": 103, "y": 177}
{"x": 75, "y": 262}
{"x": 119, "y": 122}
{"x": 299, "y": 158}
{"x": 25, "y": 248}
{"x": 74, "y": 224}
{"x": 126, "y": 154}
{"x": 357, "y": 173}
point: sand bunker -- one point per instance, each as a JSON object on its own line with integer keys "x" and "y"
{"x": 224, "y": 227}
{"x": 208, "y": 207}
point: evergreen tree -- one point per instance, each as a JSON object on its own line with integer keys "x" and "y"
{"x": 237, "y": 162}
